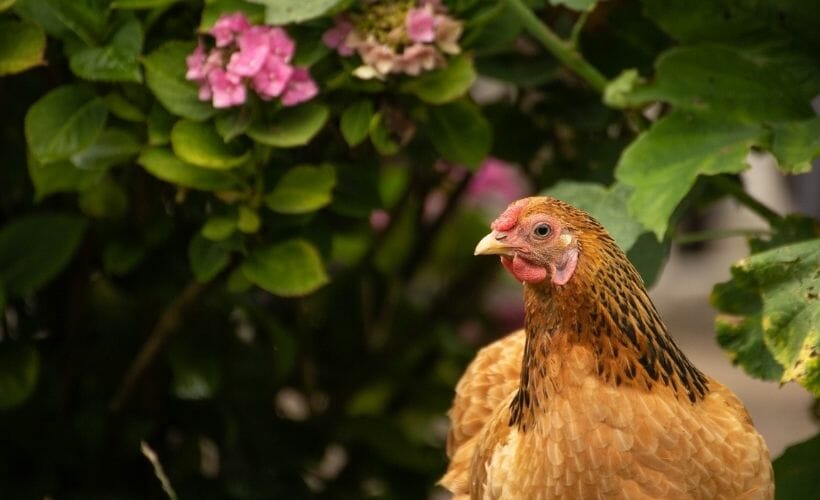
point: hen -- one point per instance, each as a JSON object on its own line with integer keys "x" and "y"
{"x": 593, "y": 398}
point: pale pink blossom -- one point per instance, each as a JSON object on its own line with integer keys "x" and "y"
{"x": 228, "y": 89}
{"x": 300, "y": 88}
{"x": 281, "y": 45}
{"x": 379, "y": 219}
{"x": 420, "y": 57}
{"x": 228, "y": 26}
{"x": 196, "y": 64}
{"x": 497, "y": 180}
{"x": 448, "y": 31}
{"x": 335, "y": 37}
{"x": 421, "y": 24}
{"x": 254, "y": 47}
{"x": 379, "y": 57}
{"x": 272, "y": 79}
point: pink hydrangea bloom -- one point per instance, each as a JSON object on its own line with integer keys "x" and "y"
{"x": 281, "y": 45}
{"x": 335, "y": 37}
{"x": 499, "y": 181}
{"x": 421, "y": 24}
{"x": 228, "y": 26}
{"x": 420, "y": 57}
{"x": 227, "y": 88}
{"x": 379, "y": 219}
{"x": 253, "y": 51}
{"x": 301, "y": 88}
{"x": 272, "y": 79}
{"x": 196, "y": 64}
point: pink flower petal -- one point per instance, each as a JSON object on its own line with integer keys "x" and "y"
{"x": 254, "y": 46}
{"x": 301, "y": 88}
{"x": 196, "y": 64}
{"x": 497, "y": 179}
{"x": 273, "y": 78}
{"x": 227, "y": 26}
{"x": 281, "y": 45}
{"x": 335, "y": 37}
{"x": 228, "y": 89}
{"x": 421, "y": 24}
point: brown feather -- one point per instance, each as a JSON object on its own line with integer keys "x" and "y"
{"x": 603, "y": 402}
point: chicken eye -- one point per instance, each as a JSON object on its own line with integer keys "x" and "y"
{"x": 542, "y": 230}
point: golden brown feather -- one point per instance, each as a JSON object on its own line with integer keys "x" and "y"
{"x": 593, "y": 398}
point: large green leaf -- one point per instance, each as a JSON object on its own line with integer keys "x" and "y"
{"x": 68, "y": 19}
{"x": 575, "y": 4}
{"x": 663, "y": 162}
{"x": 163, "y": 164}
{"x": 116, "y": 62}
{"x": 796, "y": 144}
{"x": 291, "y": 127}
{"x": 66, "y": 120}
{"x": 355, "y": 121}
{"x": 22, "y": 44}
{"x": 292, "y": 268}
{"x": 279, "y": 12}
{"x": 35, "y": 248}
{"x": 216, "y": 8}
{"x": 60, "y": 176}
{"x": 302, "y": 189}
{"x": 460, "y": 133}
{"x": 165, "y": 75}
{"x": 443, "y": 85}
{"x": 141, "y": 4}
{"x": 785, "y": 283}
{"x": 607, "y": 205}
{"x": 19, "y": 371}
{"x": 113, "y": 147}
{"x": 199, "y": 144}
{"x": 797, "y": 469}
{"x": 727, "y": 81}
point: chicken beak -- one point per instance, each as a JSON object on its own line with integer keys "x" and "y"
{"x": 493, "y": 244}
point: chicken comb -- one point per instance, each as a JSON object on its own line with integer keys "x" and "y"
{"x": 509, "y": 218}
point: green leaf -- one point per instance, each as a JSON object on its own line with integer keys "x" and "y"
{"x": 218, "y": 228}
{"x": 207, "y": 258}
{"x": 68, "y": 19}
{"x": 234, "y": 122}
{"x": 35, "y": 248}
{"x": 291, "y": 127}
{"x": 796, "y": 144}
{"x": 6, "y": 4}
{"x": 727, "y": 81}
{"x": 141, "y": 4}
{"x": 122, "y": 108}
{"x": 618, "y": 90}
{"x": 198, "y": 143}
{"x": 122, "y": 256}
{"x": 104, "y": 200}
{"x": 117, "y": 62}
{"x": 380, "y": 136}
{"x": 22, "y": 44}
{"x": 112, "y": 147}
{"x": 797, "y": 469}
{"x": 160, "y": 123}
{"x": 19, "y": 371}
{"x": 302, "y": 189}
{"x": 58, "y": 177}
{"x": 279, "y": 12}
{"x": 773, "y": 303}
{"x": 664, "y": 161}
{"x": 649, "y": 256}
{"x": 525, "y": 71}
{"x": 443, "y": 85}
{"x": 460, "y": 133}
{"x": 215, "y": 8}
{"x": 289, "y": 269}
{"x": 248, "y": 220}
{"x": 165, "y": 75}
{"x": 355, "y": 121}
{"x": 66, "y": 120}
{"x": 580, "y": 5}
{"x": 164, "y": 165}
{"x": 607, "y": 205}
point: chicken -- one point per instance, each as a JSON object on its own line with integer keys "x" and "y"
{"x": 592, "y": 399}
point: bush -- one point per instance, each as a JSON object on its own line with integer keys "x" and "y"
{"x": 241, "y": 232}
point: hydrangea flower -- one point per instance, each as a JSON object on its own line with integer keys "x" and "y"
{"x": 246, "y": 56}
{"x": 396, "y": 37}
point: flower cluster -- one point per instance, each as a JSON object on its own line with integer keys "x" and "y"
{"x": 246, "y": 55}
{"x": 396, "y": 37}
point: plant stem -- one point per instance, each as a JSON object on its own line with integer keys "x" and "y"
{"x": 747, "y": 200}
{"x": 577, "y": 28}
{"x": 717, "y": 234}
{"x": 562, "y": 50}
{"x": 167, "y": 324}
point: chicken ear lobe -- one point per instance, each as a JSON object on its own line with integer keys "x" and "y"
{"x": 564, "y": 268}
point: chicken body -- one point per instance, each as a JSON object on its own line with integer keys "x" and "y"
{"x": 593, "y": 399}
